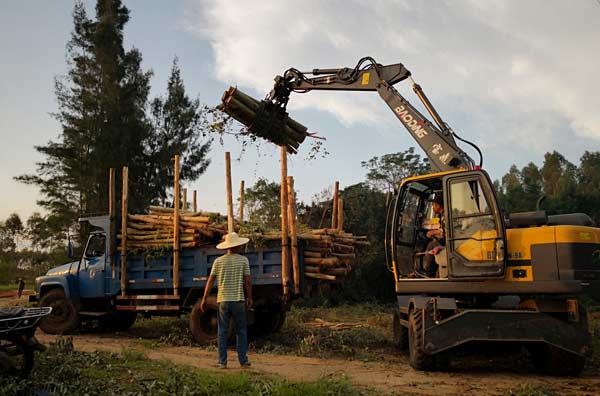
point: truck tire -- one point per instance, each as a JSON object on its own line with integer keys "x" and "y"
{"x": 400, "y": 332}
{"x": 118, "y": 321}
{"x": 64, "y": 318}
{"x": 204, "y": 325}
{"x": 269, "y": 321}
{"x": 419, "y": 360}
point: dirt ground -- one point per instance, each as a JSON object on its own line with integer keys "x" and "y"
{"x": 389, "y": 375}
{"x": 392, "y": 376}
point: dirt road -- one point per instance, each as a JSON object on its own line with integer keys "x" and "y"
{"x": 392, "y": 376}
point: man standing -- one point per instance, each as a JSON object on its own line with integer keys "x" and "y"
{"x": 438, "y": 238}
{"x": 232, "y": 273}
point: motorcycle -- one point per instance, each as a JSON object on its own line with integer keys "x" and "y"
{"x": 17, "y": 341}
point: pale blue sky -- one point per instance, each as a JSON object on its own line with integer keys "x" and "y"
{"x": 518, "y": 78}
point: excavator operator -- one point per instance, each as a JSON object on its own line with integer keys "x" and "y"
{"x": 438, "y": 239}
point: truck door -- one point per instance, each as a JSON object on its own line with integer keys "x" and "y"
{"x": 93, "y": 267}
{"x": 475, "y": 238}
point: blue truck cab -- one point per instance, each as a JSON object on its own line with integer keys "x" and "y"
{"x": 90, "y": 288}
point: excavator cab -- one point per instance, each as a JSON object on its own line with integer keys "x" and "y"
{"x": 473, "y": 242}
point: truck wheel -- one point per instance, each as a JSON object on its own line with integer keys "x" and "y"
{"x": 64, "y": 318}
{"x": 419, "y": 360}
{"x": 270, "y": 321}
{"x": 204, "y": 325}
{"x": 118, "y": 321}
{"x": 400, "y": 332}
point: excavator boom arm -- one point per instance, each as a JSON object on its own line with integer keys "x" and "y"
{"x": 438, "y": 143}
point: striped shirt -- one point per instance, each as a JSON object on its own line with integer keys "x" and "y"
{"x": 229, "y": 271}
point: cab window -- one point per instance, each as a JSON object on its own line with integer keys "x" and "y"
{"x": 474, "y": 228}
{"x": 96, "y": 246}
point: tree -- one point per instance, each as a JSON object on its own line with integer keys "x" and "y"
{"x": 11, "y": 231}
{"x": 263, "y": 205}
{"x": 179, "y": 126}
{"x": 386, "y": 172}
{"x": 102, "y": 113}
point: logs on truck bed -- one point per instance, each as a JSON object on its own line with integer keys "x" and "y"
{"x": 264, "y": 119}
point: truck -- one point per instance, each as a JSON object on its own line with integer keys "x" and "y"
{"x": 507, "y": 280}
{"x": 90, "y": 288}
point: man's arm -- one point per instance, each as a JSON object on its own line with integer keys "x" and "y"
{"x": 209, "y": 285}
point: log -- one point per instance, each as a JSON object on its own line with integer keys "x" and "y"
{"x": 112, "y": 208}
{"x": 285, "y": 253}
{"x": 313, "y": 254}
{"x": 293, "y": 236}
{"x": 339, "y": 248}
{"x": 334, "y": 212}
{"x": 345, "y": 255}
{"x": 124, "y": 217}
{"x": 330, "y": 261}
{"x": 195, "y": 201}
{"x": 230, "y": 228}
{"x": 320, "y": 276}
{"x": 336, "y": 271}
{"x": 340, "y": 213}
{"x": 242, "y": 201}
{"x": 176, "y": 238}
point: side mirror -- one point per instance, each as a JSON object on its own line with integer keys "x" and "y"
{"x": 70, "y": 249}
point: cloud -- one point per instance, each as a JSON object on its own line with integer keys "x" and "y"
{"x": 516, "y": 70}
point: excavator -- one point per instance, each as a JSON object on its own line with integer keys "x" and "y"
{"x": 503, "y": 280}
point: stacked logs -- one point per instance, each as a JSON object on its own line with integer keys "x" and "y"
{"x": 329, "y": 253}
{"x": 155, "y": 229}
{"x": 264, "y": 119}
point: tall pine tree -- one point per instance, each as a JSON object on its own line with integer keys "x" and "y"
{"x": 102, "y": 105}
{"x": 179, "y": 125}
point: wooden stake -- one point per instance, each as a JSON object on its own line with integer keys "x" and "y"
{"x": 112, "y": 217}
{"x": 176, "y": 198}
{"x": 124, "y": 193}
{"x": 293, "y": 237}
{"x": 334, "y": 212}
{"x": 195, "y": 202}
{"x": 285, "y": 253}
{"x": 184, "y": 200}
{"x": 340, "y": 219}
{"x": 230, "y": 228}
{"x": 242, "y": 201}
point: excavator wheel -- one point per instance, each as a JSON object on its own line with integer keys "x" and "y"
{"x": 419, "y": 360}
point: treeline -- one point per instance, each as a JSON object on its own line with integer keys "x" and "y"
{"x": 109, "y": 120}
{"x": 557, "y": 186}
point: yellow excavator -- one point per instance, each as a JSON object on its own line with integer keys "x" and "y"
{"x": 495, "y": 279}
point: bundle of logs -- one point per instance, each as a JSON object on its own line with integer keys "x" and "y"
{"x": 264, "y": 119}
{"x": 155, "y": 230}
{"x": 328, "y": 253}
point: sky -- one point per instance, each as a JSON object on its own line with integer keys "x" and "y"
{"x": 517, "y": 78}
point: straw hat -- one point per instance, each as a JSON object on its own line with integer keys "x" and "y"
{"x": 232, "y": 240}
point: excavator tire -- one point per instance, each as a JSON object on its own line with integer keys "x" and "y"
{"x": 418, "y": 359}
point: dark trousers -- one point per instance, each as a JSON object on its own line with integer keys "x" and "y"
{"x": 235, "y": 310}
{"x": 429, "y": 265}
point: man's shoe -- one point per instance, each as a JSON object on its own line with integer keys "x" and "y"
{"x": 245, "y": 365}
{"x": 222, "y": 366}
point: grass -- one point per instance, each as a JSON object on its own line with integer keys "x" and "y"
{"x": 62, "y": 371}
{"x": 347, "y": 331}
{"x": 531, "y": 390}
